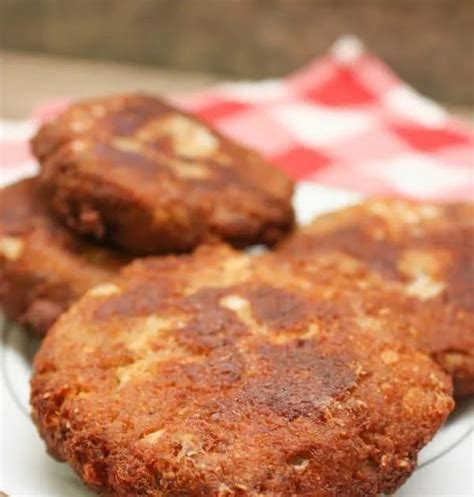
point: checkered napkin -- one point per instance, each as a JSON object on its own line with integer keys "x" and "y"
{"x": 345, "y": 121}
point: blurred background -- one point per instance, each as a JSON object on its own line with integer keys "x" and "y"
{"x": 88, "y": 47}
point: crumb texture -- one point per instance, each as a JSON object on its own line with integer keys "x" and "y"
{"x": 43, "y": 268}
{"x": 149, "y": 178}
{"x": 221, "y": 374}
{"x": 418, "y": 260}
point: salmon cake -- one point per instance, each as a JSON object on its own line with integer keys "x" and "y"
{"x": 43, "y": 268}
{"x": 422, "y": 260}
{"x": 144, "y": 176}
{"x": 221, "y": 374}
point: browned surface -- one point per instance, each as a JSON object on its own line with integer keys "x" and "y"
{"x": 42, "y": 267}
{"x": 219, "y": 374}
{"x": 427, "y": 251}
{"x": 136, "y": 172}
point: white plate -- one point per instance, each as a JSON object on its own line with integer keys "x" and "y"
{"x": 445, "y": 465}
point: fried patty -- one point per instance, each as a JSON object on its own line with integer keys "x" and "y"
{"x": 220, "y": 374}
{"x": 43, "y": 268}
{"x": 142, "y": 175}
{"x": 422, "y": 260}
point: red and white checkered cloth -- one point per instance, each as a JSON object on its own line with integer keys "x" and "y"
{"x": 346, "y": 120}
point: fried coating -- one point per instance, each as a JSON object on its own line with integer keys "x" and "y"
{"x": 142, "y": 175}
{"x": 43, "y": 268}
{"x": 221, "y": 374}
{"x": 422, "y": 260}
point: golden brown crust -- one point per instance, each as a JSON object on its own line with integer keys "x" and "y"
{"x": 423, "y": 255}
{"x": 221, "y": 374}
{"x": 42, "y": 267}
{"x": 139, "y": 173}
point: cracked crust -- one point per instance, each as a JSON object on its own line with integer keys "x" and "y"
{"x": 424, "y": 253}
{"x": 144, "y": 176}
{"x": 221, "y": 374}
{"x": 42, "y": 267}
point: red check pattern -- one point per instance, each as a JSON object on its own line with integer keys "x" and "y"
{"x": 344, "y": 121}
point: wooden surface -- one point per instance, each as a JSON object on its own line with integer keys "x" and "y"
{"x": 430, "y": 43}
{"x": 29, "y": 80}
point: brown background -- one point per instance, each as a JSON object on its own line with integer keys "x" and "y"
{"x": 428, "y": 42}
